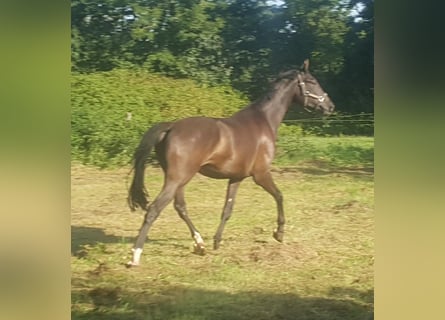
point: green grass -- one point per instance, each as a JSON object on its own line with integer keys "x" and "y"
{"x": 323, "y": 270}
{"x": 335, "y": 151}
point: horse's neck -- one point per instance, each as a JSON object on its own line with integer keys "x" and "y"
{"x": 275, "y": 105}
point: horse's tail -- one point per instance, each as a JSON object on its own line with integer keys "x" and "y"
{"x": 138, "y": 195}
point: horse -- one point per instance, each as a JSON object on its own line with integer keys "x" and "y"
{"x": 232, "y": 148}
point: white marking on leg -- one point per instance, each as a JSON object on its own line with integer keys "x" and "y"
{"x": 136, "y": 255}
{"x": 198, "y": 238}
{"x": 229, "y": 200}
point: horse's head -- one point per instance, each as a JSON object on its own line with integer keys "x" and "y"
{"x": 310, "y": 94}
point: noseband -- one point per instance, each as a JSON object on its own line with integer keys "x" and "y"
{"x": 307, "y": 93}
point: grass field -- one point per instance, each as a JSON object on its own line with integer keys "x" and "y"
{"x": 323, "y": 270}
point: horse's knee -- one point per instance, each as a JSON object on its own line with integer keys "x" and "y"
{"x": 279, "y": 196}
{"x": 179, "y": 206}
{"x": 180, "y": 209}
{"x": 151, "y": 215}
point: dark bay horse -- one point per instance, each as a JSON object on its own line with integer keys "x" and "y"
{"x": 233, "y": 148}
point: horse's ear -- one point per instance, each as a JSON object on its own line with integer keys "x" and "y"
{"x": 305, "y": 66}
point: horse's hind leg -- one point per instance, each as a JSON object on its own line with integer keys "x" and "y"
{"x": 265, "y": 180}
{"x": 180, "y": 207}
{"x": 232, "y": 188}
{"x": 153, "y": 211}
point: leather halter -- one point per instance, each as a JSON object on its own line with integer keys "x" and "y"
{"x": 307, "y": 93}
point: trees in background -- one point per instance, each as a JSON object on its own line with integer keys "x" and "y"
{"x": 241, "y": 43}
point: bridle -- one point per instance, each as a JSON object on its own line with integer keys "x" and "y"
{"x": 307, "y": 93}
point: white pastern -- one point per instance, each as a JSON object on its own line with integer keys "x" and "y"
{"x": 136, "y": 255}
{"x": 198, "y": 238}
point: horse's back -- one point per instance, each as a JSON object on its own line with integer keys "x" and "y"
{"x": 194, "y": 132}
{"x": 187, "y": 144}
{"x": 218, "y": 148}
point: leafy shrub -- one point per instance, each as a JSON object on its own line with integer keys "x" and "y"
{"x": 103, "y": 135}
{"x": 102, "y": 103}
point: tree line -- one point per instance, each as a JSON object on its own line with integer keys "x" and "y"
{"x": 238, "y": 43}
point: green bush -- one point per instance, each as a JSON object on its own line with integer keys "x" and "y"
{"x": 102, "y": 134}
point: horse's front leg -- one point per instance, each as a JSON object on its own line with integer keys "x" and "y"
{"x": 265, "y": 180}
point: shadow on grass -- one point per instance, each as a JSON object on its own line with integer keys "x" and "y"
{"x": 321, "y": 168}
{"x": 361, "y": 173}
{"x": 89, "y": 236}
{"x": 180, "y": 303}
{"x": 83, "y": 237}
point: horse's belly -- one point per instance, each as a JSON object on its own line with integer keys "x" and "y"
{"x": 224, "y": 172}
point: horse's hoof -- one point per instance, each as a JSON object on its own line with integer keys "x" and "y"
{"x": 199, "y": 249}
{"x": 278, "y": 235}
{"x": 131, "y": 264}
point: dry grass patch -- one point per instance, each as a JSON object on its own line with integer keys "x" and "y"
{"x": 323, "y": 270}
